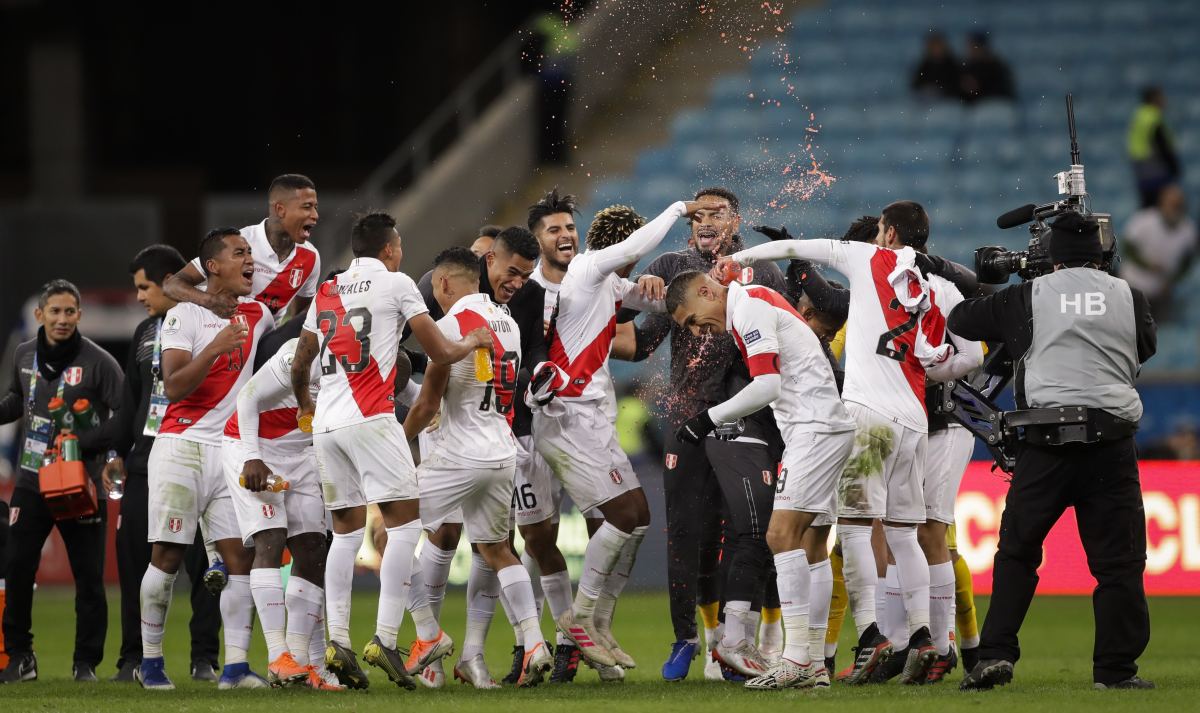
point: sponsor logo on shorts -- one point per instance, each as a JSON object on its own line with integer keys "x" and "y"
{"x": 268, "y": 511}
{"x": 175, "y": 524}
{"x": 615, "y": 475}
{"x": 13, "y": 514}
{"x": 671, "y": 461}
{"x": 752, "y": 337}
{"x": 767, "y": 477}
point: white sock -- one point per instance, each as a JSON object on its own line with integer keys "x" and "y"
{"x": 304, "y": 602}
{"x": 557, "y": 587}
{"x": 820, "y": 594}
{"x": 712, "y": 637}
{"x": 514, "y": 582}
{"x": 615, "y": 584}
{"x": 913, "y": 570}
{"x": 394, "y": 572}
{"x": 155, "y": 601}
{"x": 424, "y": 619}
{"x": 535, "y": 581}
{"x": 893, "y": 619}
{"x": 210, "y": 551}
{"x": 795, "y": 584}
{"x": 339, "y": 577}
{"x": 483, "y": 589}
{"x": 770, "y": 634}
{"x": 435, "y": 572}
{"x": 266, "y": 588}
{"x": 237, "y": 617}
{"x": 599, "y": 559}
{"x": 858, "y": 568}
{"x": 941, "y": 605}
{"x": 736, "y": 613}
{"x": 318, "y": 641}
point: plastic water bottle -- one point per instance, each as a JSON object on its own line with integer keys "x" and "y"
{"x": 483, "y": 365}
{"x": 118, "y": 481}
{"x": 275, "y": 483}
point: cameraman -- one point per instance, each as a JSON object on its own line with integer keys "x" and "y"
{"x": 1078, "y": 337}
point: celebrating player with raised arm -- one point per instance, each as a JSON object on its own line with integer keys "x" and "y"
{"x": 574, "y": 430}
{"x": 894, "y": 331}
{"x": 354, "y": 327}
{"x": 791, "y": 374}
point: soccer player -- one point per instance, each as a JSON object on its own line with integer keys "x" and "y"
{"x": 205, "y": 361}
{"x": 895, "y": 329}
{"x": 473, "y": 459}
{"x": 575, "y": 431}
{"x": 287, "y": 267}
{"x": 503, "y": 276}
{"x": 354, "y": 327}
{"x": 263, "y": 438}
{"x": 791, "y": 373}
{"x": 704, "y": 371}
{"x": 136, "y": 423}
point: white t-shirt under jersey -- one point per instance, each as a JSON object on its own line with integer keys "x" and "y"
{"x": 358, "y": 318}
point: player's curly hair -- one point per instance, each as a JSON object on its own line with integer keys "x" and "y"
{"x": 612, "y": 225}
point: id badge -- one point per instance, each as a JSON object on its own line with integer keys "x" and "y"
{"x": 37, "y": 440}
{"x": 156, "y": 410}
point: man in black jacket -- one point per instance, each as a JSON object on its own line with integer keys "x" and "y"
{"x": 59, "y": 364}
{"x": 697, "y": 480}
{"x": 132, "y": 431}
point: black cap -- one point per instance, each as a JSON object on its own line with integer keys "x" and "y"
{"x": 1075, "y": 240}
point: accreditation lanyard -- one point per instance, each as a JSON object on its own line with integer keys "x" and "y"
{"x": 158, "y": 393}
{"x": 40, "y": 429}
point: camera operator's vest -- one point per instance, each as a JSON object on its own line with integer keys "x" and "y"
{"x": 1084, "y": 347}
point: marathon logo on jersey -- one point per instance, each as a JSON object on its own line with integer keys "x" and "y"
{"x": 295, "y": 277}
{"x": 615, "y": 475}
{"x": 671, "y": 461}
{"x": 175, "y": 524}
{"x": 73, "y": 376}
{"x": 268, "y": 511}
{"x": 751, "y": 337}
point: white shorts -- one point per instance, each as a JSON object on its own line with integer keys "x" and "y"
{"x": 187, "y": 490}
{"x": 299, "y": 509}
{"x": 812, "y": 465}
{"x": 369, "y": 462}
{"x": 537, "y": 495}
{"x": 950, "y": 451}
{"x": 479, "y": 495}
{"x": 580, "y": 446}
{"x": 884, "y": 476}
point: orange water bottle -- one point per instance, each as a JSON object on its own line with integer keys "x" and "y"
{"x": 483, "y": 365}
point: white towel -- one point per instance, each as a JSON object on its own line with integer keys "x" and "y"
{"x": 912, "y": 292}
{"x": 541, "y": 392}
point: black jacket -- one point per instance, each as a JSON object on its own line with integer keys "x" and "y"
{"x": 99, "y": 381}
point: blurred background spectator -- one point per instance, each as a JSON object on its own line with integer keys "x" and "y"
{"x": 1152, "y": 147}
{"x": 985, "y": 75}
{"x": 939, "y": 75}
{"x": 1182, "y": 443}
{"x": 1159, "y": 243}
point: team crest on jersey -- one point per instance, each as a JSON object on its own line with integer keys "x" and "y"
{"x": 175, "y": 524}
{"x": 73, "y": 376}
{"x": 13, "y": 514}
{"x": 615, "y": 475}
{"x": 268, "y": 511}
{"x": 296, "y": 277}
{"x": 752, "y": 337}
{"x": 671, "y": 461}
{"x": 767, "y": 477}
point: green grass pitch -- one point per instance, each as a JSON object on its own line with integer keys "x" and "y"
{"x": 1054, "y": 675}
